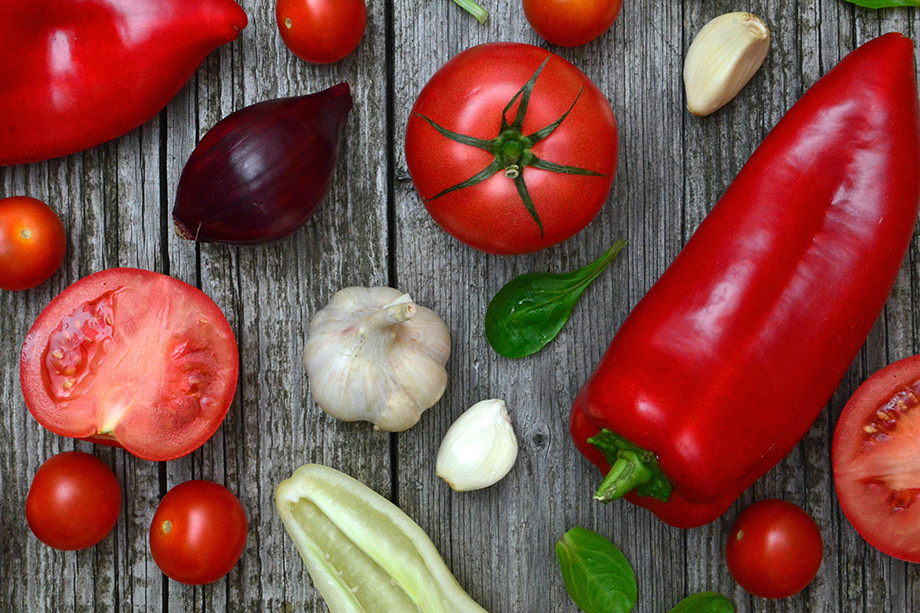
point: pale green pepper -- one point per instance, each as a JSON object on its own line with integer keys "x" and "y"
{"x": 363, "y": 553}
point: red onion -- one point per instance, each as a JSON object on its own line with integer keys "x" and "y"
{"x": 259, "y": 174}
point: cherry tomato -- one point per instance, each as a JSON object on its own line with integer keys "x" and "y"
{"x": 198, "y": 532}
{"x": 774, "y": 549}
{"x": 468, "y": 96}
{"x": 321, "y": 31}
{"x": 876, "y": 463}
{"x": 73, "y": 501}
{"x": 570, "y": 23}
{"x": 134, "y": 359}
{"x": 32, "y": 242}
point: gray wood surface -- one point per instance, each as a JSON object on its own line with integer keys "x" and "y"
{"x": 116, "y": 199}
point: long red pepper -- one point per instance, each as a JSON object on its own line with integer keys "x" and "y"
{"x": 723, "y": 366}
{"x": 76, "y": 73}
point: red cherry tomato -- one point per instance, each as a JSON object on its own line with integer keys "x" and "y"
{"x": 321, "y": 31}
{"x": 32, "y": 242}
{"x": 73, "y": 501}
{"x": 570, "y": 23}
{"x": 468, "y": 96}
{"x": 875, "y": 460}
{"x": 134, "y": 359}
{"x": 774, "y": 549}
{"x": 198, "y": 532}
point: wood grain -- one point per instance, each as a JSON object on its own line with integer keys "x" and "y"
{"x": 372, "y": 229}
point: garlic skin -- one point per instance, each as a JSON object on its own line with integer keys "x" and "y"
{"x": 479, "y": 448}
{"x": 723, "y": 57}
{"x": 373, "y": 354}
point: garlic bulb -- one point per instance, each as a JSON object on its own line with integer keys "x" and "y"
{"x": 479, "y": 448}
{"x": 372, "y": 354}
{"x": 723, "y": 57}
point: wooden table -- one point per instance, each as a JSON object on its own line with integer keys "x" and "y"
{"x": 116, "y": 199}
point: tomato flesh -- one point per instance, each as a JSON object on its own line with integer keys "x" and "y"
{"x": 876, "y": 459}
{"x": 134, "y": 359}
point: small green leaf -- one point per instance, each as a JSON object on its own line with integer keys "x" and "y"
{"x": 597, "y": 575}
{"x": 530, "y": 310}
{"x": 706, "y": 602}
{"x": 883, "y": 4}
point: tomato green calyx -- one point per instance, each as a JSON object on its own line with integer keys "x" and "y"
{"x": 513, "y": 149}
{"x": 631, "y": 468}
{"x": 473, "y": 9}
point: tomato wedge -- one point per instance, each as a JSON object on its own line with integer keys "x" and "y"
{"x": 133, "y": 359}
{"x": 876, "y": 459}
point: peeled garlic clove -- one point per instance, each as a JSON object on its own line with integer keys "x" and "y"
{"x": 479, "y": 448}
{"x": 722, "y": 58}
{"x": 373, "y": 354}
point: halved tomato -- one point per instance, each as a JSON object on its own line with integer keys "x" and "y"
{"x": 134, "y": 359}
{"x": 876, "y": 456}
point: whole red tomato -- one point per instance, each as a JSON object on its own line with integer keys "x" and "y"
{"x": 570, "y": 23}
{"x": 774, "y": 549}
{"x": 32, "y": 242}
{"x": 512, "y": 148}
{"x": 321, "y": 31}
{"x": 875, "y": 460}
{"x": 73, "y": 501}
{"x": 134, "y": 359}
{"x": 198, "y": 532}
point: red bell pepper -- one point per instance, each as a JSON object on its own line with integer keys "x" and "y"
{"x": 723, "y": 366}
{"x": 77, "y": 73}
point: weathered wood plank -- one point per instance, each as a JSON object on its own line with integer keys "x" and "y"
{"x": 372, "y": 229}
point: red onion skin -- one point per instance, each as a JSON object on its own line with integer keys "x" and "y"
{"x": 261, "y": 172}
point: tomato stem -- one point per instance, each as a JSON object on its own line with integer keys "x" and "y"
{"x": 473, "y": 9}
{"x": 512, "y": 148}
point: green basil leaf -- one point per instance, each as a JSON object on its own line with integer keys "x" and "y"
{"x": 883, "y": 4}
{"x": 597, "y": 575}
{"x": 530, "y": 310}
{"x": 706, "y": 602}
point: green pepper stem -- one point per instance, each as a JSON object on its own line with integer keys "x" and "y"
{"x": 631, "y": 468}
{"x": 473, "y": 9}
{"x": 626, "y": 473}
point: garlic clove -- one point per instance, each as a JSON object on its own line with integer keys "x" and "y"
{"x": 373, "y": 354}
{"x": 479, "y": 448}
{"x": 723, "y": 57}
